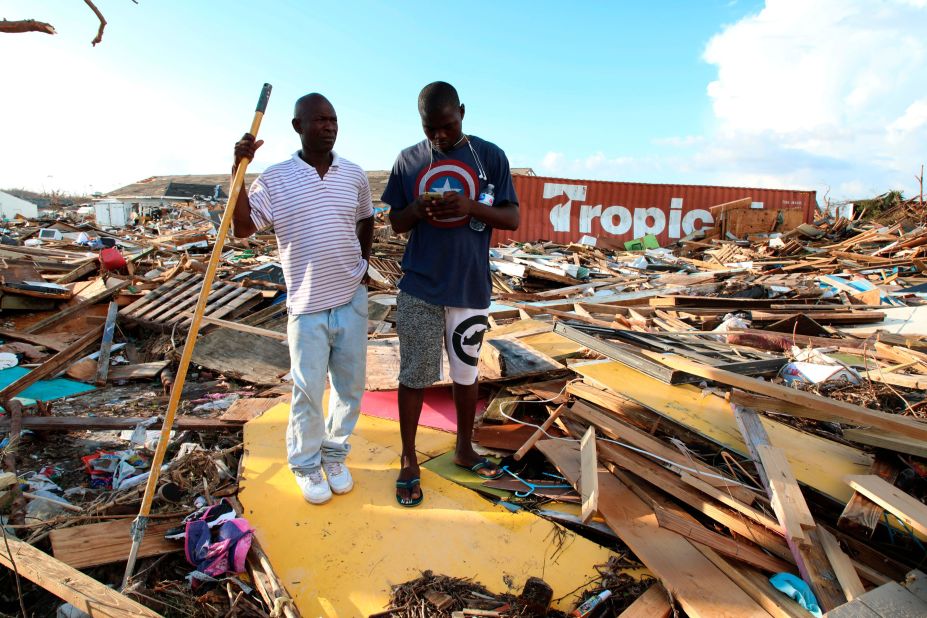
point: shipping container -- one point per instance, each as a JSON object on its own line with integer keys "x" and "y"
{"x": 565, "y": 210}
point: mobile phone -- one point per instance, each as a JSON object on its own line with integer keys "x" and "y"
{"x": 432, "y": 195}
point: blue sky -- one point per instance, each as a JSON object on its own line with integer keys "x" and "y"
{"x": 709, "y": 92}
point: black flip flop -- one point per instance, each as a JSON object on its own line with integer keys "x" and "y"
{"x": 409, "y": 485}
{"x": 482, "y": 464}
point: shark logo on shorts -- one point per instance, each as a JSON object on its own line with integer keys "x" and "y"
{"x": 468, "y": 337}
{"x": 448, "y": 175}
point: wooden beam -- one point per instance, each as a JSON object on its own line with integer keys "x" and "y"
{"x": 818, "y": 462}
{"x": 889, "y": 441}
{"x": 900, "y": 504}
{"x": 538, "y": 434}
{"x": 67, "y": 583}
{"x": 842, "y": 565}
{"x": 109, "y": 331}
{"x": 861, "y": 515}
{"x": 589, "y": 483}
{"x": 244, "y": 328}
{"x": 742, "y": 552}
{"x": 791, "y": 511}
{"x": 52, "y": 366}
{"x": 728, "y": 500}
{"x": 89, "y": 266}
{"x": 69, "y": 312}
{"x": 654, "y": 603}
{"x": 617, "y": 430}
{"x": 785, "y": 496}
{"x": 112, "y": 423}
{"x": 757, "y": 586}
{"x": 104, "y": 543}
{"x": 701, "y": 589}
{"x": 840, "y": 411}
{"x": 46, "y": 341}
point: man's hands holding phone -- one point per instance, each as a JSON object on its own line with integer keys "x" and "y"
{"x": 451, "y": 204}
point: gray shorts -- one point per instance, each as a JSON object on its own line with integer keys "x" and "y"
{"x": 424, "y": 329}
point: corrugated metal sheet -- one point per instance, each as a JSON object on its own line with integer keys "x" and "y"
{"x": 564, "y": 210}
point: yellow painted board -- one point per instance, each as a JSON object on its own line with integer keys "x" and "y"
{"x": 554, "y": 345}
{"x": 428, "y": 442}
{"x": 817, "y": 462}
{"x": 340, "y": 559}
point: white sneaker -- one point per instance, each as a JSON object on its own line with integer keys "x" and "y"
{"x": 339, "y": 477}
{"x": 314, "y": 487}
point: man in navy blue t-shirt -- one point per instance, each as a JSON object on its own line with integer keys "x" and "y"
{"x": 449, "y": 192}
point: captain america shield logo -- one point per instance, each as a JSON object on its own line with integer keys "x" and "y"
{"x": 448, "y": 175}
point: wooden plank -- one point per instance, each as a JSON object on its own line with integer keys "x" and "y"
{"x": 728, "y": 500}
{"x": 589, "y": 481}
{"x": 68, "y": 312}
{"x": 109, "y": 331}
{"x": 90, "y": 265}
{"x": 507, "y": 357}
{"x": 701, "y": 589}
{"x": 840, "y": 411}
{"x": 51, "y": 366}
{"x": 617, "y": 430}
{"x": 95, "y": 544}
{"x": 900, "y": 504}
{"x": 541, "y": 433}
{"x": 81, "y": 423}
{"x": 52, "y": 342}
{"x": 742, "y": 552}
{"x": 889, "y": 441}
{"x": 861, "y": 515}
{"x": 785, "y": 496}
{"x": 244, "y": 410}
{"x": 254, "y": 330}
{"x": 654, "y": 603}
{"x": 243, "y": 356}
{"x": 719, "y": 209}
{"x": 816, "y": 461}
{"x": 842, "y": 565}
{"x": 155, "y": 294}
{"x": 140, "y": 371}
{"x": 229, "y": 305}
{"x": 67, "y": 583}
{"x": 791, "y": 511}
{"x": 916, "y": 583}
{"x": 888, "y": 601}
{"x": 165, "y": 312}
{"x": 757, "y": 586}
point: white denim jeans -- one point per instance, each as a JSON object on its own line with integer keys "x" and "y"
{"x": 330, "y": 343}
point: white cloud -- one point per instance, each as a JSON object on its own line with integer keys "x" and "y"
{"x": 72, "y": 120}
{"x": 814, "y": 95}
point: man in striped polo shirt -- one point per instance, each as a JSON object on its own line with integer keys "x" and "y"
{"x": 320, "y": 208}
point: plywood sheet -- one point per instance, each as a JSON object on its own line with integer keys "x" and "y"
{"x": 103, "y": 543}
{"x": 368, "y": 542}
{"x": 816, "y": 462}
{"x": 243, "y": 356}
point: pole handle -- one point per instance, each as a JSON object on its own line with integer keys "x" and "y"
{"x": 262, "y": 100}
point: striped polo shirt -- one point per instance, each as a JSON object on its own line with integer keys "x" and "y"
{"x": 315, "y": 220}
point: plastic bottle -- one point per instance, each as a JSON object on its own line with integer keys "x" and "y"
{"x": 590, "y": 604}
{"x": 487, "y": 198}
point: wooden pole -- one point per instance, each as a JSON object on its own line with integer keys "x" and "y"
{"x": 141, "y": 522}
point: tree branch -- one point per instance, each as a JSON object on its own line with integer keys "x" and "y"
{"x": 99, "y": 15}
{"x": 26, "y": 25}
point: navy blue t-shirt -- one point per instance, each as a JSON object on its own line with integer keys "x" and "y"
{"x": 446, "y": 262}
